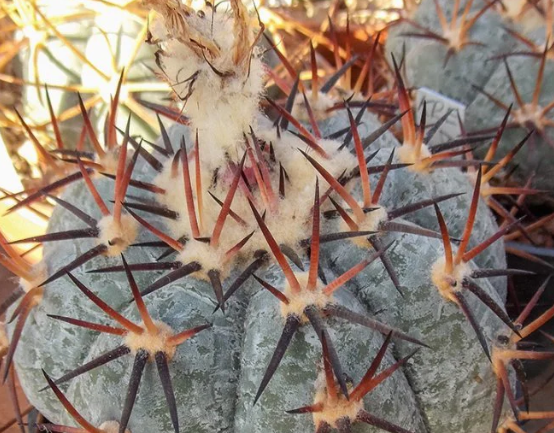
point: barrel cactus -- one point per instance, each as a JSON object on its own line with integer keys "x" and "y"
{"x": 521, "y": 82}
{"x": 262, "y": 269}
{"x": 512, "y": 43}
{"x": 93, "y": 48}
{"x": 96, "y": 41}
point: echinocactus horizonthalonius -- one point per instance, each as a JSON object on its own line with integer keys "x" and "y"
{"x": 291, "y": 275}
{"x": 494, "y": 57}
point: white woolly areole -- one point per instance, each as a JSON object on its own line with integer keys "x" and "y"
{"x": 521, "y": 12}
{"x": 532, "y": 113}
{"x": 208, "y": 257}
{"x": 449, "y": 283}
{"x": 407, "y": 155}
{"x": 289, "y": 225}
{"x": 151, "y": 342}
{"x": 38, "y": 274}
{"x": 299, "y": 169}
{"x": 319, "y": 106}
{"x": 371, "y": 223}
{"x": 288, "y": 222}
{"x": 111, "y": 427}
{"x": 513, "y": 8}
{"x": 209, "y": 58}
{"x": 116, "y": 236}
{"x": 305, "y": 298}
{"x": 108, "y": 161}
{"x": 333, "y": 411}
{"x": 174, "y": 199}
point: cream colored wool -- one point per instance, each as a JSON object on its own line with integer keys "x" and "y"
{"x": 319, "y": 106}
{"x": 225, "y": 95}
{"x": 298, "y": 302}
{"x": 371, "y": 223}
{"x": 334, "y": 411}
{"x": 447, "y": 283}
{"x": 111, "y": 427}
{"x": 152, "y": 342}
{"x": 108, "y": 161}
{"x": 117, "y": 236}
{"x": 523, "y": 13}
{"x": 288, "y": 222}
{"x": 407, "y": 155}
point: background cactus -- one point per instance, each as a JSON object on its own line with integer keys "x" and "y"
{"x": 87, "y": 47}
{"x": 273, "y": 229}
{"x": 443, "y": 41}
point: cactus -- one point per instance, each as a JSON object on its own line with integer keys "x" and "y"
{"x": 512, "y": 44}
{"x": 444, "y": 41}
{"x": 93, "y": 48}
{"x": 291, "y": 277}
{"x": 520, "y": 83}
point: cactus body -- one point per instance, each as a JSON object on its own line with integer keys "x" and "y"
{"x": 278, "y": 196}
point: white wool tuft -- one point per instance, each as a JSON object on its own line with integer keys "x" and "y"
{"x": 407, "y": 155}
{"x": 370, "y": 223}
{"x": 523, "y": 13}
{"x": 289, "y": 221}
{"x": 109, "y": 161}
{"x": 208, "y": 257}
{"x": 117, "y": 237}
{"x": 174, "y": 199}
{"x": 319, "y": 106}
{"x": 223, "y": 81}
{"x": 333, "y": 411}
{"x": 448, "y": 283}
{"x": 298, "y": 302}
{"x": 151, "y": 342}
{"x": 299, "y": 169}
{"x": 111, "y": 427}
